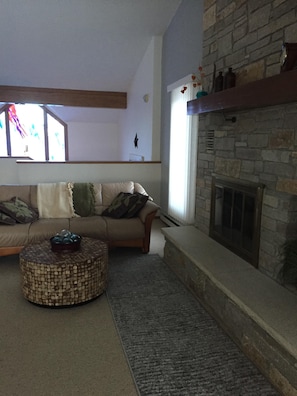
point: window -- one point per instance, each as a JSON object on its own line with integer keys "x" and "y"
{"x": 33, "y": 131}
{"x": 183, "y": 158}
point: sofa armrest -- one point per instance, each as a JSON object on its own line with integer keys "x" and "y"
{"x": 146, "y": 215}
{"x": 148, "y": 208}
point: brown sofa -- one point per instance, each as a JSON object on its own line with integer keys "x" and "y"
{"x": 130, "y": 232}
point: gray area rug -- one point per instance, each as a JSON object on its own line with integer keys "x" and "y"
{"x": 174, "y": 347}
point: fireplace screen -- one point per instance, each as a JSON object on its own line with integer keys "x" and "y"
{"x": 236, "y": 216}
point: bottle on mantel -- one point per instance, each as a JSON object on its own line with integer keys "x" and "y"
{"x": 219, "y": 82}
{"x": 229, "y": 79}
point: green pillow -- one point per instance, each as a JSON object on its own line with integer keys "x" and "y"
{"x": 18, "y": 210}
{"x": 118, "y": 207}
{"x": 4, "y": 219}
{"x": 125, "y": 205}
{"x": 83, "y": 196}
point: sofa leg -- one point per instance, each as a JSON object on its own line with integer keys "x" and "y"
{"x": 148, "y": 227}
{"x": 145, "y": 250}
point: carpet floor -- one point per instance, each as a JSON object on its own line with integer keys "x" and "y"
{"x": 174, "y": 347}
{"x": 58, "y": 352}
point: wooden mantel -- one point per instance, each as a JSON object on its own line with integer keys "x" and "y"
{"x": 65, "y": 97}
{"x": 275, "y": 90}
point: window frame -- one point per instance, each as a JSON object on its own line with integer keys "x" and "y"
{"x": 46, "y": 112}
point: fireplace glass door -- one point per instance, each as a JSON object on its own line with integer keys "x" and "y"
{"x": 235, "y": 216}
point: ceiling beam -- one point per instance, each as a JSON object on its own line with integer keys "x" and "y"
{"x": 65, "y": 97}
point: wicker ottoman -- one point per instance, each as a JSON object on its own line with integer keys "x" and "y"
{"x": 67, "y": 278}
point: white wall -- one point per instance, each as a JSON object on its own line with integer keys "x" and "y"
{"x": 147, "y": 174}
{"x": 93, "y": 142}
{"x": 141, "y": 117}
{"x": 115, "y": 142}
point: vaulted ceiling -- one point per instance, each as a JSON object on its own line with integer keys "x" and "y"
{"x": 78, "y": 44}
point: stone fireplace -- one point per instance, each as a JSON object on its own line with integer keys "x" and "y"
{"x": 261, "y": 146}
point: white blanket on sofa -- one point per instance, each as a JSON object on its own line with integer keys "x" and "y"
{"x": 54, "y": 200}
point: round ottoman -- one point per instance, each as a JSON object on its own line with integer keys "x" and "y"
{"x": 65, "y": 278}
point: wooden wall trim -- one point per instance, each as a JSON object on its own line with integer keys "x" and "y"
{"x": 66, "y": 97}
{"x": 28, "y": 161}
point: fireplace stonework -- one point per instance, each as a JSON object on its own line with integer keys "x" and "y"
{"x": 261, "y": 146}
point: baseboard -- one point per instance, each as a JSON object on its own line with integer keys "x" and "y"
{"x": 168, "y": 220}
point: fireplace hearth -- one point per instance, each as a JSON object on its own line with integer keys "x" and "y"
{"x": 235, "y": 216}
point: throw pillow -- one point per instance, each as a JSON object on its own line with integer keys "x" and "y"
{"x": 18, "y": 210}
{"x": 83, "y": 195}
{"x": 125, "y": 205}
{"x": 118, "y": 206}
{"x": 136, "y": 202}
{"x": 4, "y": 219}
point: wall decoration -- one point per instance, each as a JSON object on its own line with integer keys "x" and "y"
{"x": 136, "y": 141}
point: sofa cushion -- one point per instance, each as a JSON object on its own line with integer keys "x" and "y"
{"x": 18, "y": 210}
{"x": 9, "y": 191}
{"x": 125, "y": 205}
{"x": 5, "y": 219}
{"x": 98, "y": 198}
{"x": 138, "y": 188}
{"x": 46, "y": 228}
{"x": 118, "y": 206}
{"x": 91, "y": 226}
{"x": 111, "y": 190}
{"x": 16, "y": 235}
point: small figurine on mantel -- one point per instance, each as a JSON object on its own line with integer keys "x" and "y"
{"x": 229, "y": 79}
{"x": 219, "y": 82}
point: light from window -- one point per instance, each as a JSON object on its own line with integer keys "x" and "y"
{"x": 33, "y": 131}
{"x": 182, "y": 158}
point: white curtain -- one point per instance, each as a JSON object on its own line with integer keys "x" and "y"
{"x": 183, "y": 158}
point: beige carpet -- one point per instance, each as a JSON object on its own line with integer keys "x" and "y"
{"x": 53, "y": 352}
{"x": 61, "y": 352}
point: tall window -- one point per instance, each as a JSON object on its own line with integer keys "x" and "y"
{"x": 32, "y": 131}
{"x": 183, "y": 158}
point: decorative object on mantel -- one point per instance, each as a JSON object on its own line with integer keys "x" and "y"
{"x": 219, "y": 82}
{"x": 260, "y": 93}
{"x": 229, "y": 79}
{"x": 200, "y": 93}
{"x": 197, "y": 81}
{"x": 288, "y": 57}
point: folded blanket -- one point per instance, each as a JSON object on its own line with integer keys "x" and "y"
{"x": 83, "y": 199}
{"x": 54, "y": 200}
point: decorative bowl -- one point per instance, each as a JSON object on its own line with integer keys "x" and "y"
{"x": 65, "y": 242}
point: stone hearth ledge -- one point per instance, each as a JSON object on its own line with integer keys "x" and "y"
{"x": 258, "y": 313}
